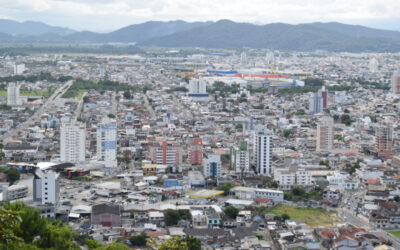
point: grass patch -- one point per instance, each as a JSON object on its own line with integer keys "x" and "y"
{"x": 80, "y": 94}
{"x": 312, "y": 216}
{"x": 395, "y": 233}
{"x": 44, "y": 93}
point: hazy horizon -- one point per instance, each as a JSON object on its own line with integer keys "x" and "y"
{"x": 96, "y": 15}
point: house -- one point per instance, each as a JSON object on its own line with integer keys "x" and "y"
{"x": 107, "y": 215}
{"x": 213, "y": 219}
{"x": 156, "y": 217}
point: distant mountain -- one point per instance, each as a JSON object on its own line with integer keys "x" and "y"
{"x": 223, "y": 34}
{"x": 301, "y": 37}
{"x": 30, "y": 28}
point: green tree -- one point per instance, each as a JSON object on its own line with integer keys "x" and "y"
{"x": 92, "y": 244}
{"x": 9, "y": 223}
{"x": 86, "y": 99}
{"x": 171, "y": 217}
{"x": 112, "y": 116}
{"x": 397, "y": 198}
{"x": 138, "y": 240}
{"x": 113, "y": 246}
{"x": 285, "y": 217}
{"x": 225, "y": 187}
{"x": 231, "y": 212}
{"x": 31, "y": 223}
{"x": 57, "y": 236}
{"x": 193, "y": 243}
{"x": 13, "y": 175}
{"x": 174, "y": 244}
{"x": 287, "y": 132}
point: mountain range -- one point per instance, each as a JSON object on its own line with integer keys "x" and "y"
{"x": 223, "y": 34}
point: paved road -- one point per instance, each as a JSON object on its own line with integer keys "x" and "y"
{"x": 149, "y": 107}
{"x": 49, "y": 102}
{"x": 79, "y": 107}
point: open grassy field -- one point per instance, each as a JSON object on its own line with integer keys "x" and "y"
{"x": 395, "y": 233}
{"x": 44, "y": 93}
{"x": 314, "y": 217}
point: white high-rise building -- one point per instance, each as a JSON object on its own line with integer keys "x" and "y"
{"x": 19, "y": 68}
{"x": 107, "y": 142}
{"x": 72, "y": 142}
{"x": 45, "y": 187}
{"x": 325, "y": 134}
{"x": 373, "y": 65}
{"x": 240, "y": 158}
{"x": 262, "y": 151}
{"x": 13, "y": 98}
{"x": 316, "y": 103}
{"x": 243, "y": 58}
{"x": 198, "y": 89}
{"x": 212, "y": 166}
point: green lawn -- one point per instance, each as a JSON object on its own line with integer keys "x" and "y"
{"x": 44, "y": 93}
{"x": 312, "y": 216}
{"x": 395, "y": 233}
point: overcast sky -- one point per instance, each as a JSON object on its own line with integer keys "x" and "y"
{"x": 106, "y": 15}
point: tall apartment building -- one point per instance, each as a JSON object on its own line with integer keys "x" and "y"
{"x": 45, "y": 187}
{"x": 240, "y": 158}
{"x": 198, "y": 90}
{"x": 13, "y": 98}
{"x": 262, "y": 151}
{"x": 167, "y": 153}
{"x": 212, "y": 166}
{"x": 396, "y": 82}
{"x": 72, "y": 142}
{"x": 19, "y": 68}
{"x": 318, "y": 101}
{"x": 196, "y": 152}
{"x": 384, "y": 141}
{"x": 325, "y": 134}
{"x": 107, "y": 142}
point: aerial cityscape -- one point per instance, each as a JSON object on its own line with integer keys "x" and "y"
{"x": 213, "y": 134}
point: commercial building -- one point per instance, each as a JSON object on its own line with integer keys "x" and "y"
{"x": 13, "y": 98}
{"x": 262, "y": 151}
{"x": 251, "y": 193}
{"x": 240, "y": 158}
{"x": 167, "y": 154}
{"x": 396, "y": 82}
{"x": 325, "y": 134}
{"x": 212, "y": 166}
{"x": 107, "y": 142}
{"x": 45, "y": 187}
{"x": 384, "y": 141}
{"x": 72, "y": 142}
{"x": 14, "y": 192}
{"x": 196, "y": 152}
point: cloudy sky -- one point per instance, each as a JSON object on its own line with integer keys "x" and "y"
{"x": 106, "y": 15}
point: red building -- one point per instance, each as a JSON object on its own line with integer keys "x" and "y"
{"x": 196, "y": 152}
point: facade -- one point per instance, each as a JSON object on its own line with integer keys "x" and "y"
{"x": 384, "y": 141}
{"x": 396, "y": 82}
{"x": 196, "y": 152}
{"x": 262, "y": 151}
{"x": 14, "y": 192}
{"x": 324, "y": 95}
{"x": 166, "y": 154}
{"x": 13, "y": 98}
{"x": 198, "y": 90}
{"x": 19, "y": 68}
{"x": 72, "y": 142}
{"x": 107, "y": 215}
{"x": 325, "y": 134}
{"x": 252, "y": 193}
{"x": 292, "y": 177}
{"x": 316, "y": 104}
{"x": 45, "y": 187}
{"x": 240, "y": 158}
{"x": 212, "y": 166}
{"x": 107, "y": 142}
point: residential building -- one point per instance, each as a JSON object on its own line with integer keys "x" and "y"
{"x": 72, "y": 142}
{"x": 384, "y": 141}
{"x": 45, "y": 187}
{"x": 14, "y": 192}
{"x": 196, "y": 152}
{"x": 212, "y": 166}
{"x": 197, "y": 88}
{"x": 167, "y": 154}
{"x": 107, "y": 142}
{"x": 262, "y": 151}
{"x": 13, "y": 98}
{"x": 240, "y": 158}
{"x": 19, "y": 68}
{"x": 396, "y": 82}
{"x": 325, "y": 134}
{"x": 316, "y": 103}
